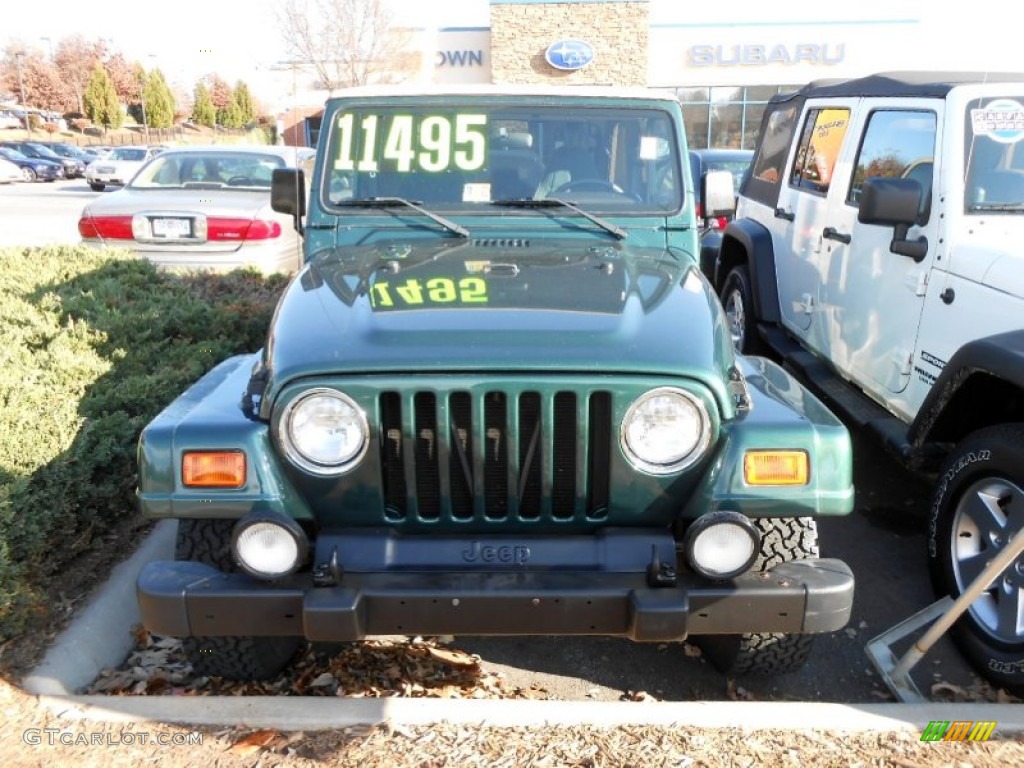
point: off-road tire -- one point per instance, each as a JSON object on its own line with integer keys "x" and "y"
{"x": 986, "y": 466}
{"x": 232, "y": 658}
{"x": 768, "y": 653}
{"x": 737, "y": 297}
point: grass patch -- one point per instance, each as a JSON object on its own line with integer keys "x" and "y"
{"x": 96, "y": 343}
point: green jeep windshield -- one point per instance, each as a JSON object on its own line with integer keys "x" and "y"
{"x": 466, "y": 158}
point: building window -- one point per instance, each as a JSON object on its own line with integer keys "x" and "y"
{"x": 726, "y": 116}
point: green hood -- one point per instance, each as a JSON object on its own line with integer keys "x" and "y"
{"x": 498, "y": 305}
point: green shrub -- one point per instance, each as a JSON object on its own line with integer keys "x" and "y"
{"x": 96, "y": 343}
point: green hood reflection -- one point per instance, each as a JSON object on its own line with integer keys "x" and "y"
{"x": 498, "y": 305}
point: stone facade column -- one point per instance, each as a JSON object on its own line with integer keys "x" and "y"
{"x": 522, "y": 30}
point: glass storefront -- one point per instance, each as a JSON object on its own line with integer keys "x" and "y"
{"x": 726, "y": 117}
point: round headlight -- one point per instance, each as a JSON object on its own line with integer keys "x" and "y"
{"x": 269, "y": 549}
{"x": 721, "y": 545}
{"x": 665, "y": 431}
{"x": 324, "y": 432}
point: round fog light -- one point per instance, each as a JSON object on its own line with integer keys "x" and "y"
{"x": 721, "y": 545}
{"x": 269, "y": 549}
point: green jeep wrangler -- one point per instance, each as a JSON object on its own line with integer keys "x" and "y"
{"x": 499, "y": 398}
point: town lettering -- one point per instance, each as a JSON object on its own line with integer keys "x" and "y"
{"x": 460, "y": 59}
{"x": 763, "y": 55}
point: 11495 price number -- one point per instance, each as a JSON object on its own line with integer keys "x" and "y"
{"x": 405, "y": 143}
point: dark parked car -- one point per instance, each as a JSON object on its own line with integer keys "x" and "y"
{"x": 72, "y": 168}
{"x": 66, "y": 151}
{"x": 34, "y": 168}
{"x": 736, "y": 161}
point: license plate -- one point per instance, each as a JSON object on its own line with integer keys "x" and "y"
{"x": 172, "y": 228}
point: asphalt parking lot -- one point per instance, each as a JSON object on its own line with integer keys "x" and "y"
{"x": 42, "y": 213}
{"x": 883, "y": 541}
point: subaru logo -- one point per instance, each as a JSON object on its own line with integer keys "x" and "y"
{"x": 569, "y": 54}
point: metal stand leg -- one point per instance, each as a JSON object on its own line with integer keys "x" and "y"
{"x": 896, "y": 673}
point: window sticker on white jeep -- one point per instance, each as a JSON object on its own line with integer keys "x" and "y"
{"x": 407, "y": 143}
{"x": 820, "y": 145}
{"x": 1001, "y": 120}
{"x": 436, "y": 290}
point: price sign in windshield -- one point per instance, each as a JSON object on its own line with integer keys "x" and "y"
{"x": 407, "y": 143}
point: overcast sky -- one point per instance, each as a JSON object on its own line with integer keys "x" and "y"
{"x": 241, "y": 40}
{"x": 189, "y": 38}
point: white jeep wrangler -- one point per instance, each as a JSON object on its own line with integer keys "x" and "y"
{"x": 878, "y": 247}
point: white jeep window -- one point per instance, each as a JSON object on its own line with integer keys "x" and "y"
{"x": 897, "y": 144}
{"x": 994, "y": 156}
{"x": 820, "y": 143}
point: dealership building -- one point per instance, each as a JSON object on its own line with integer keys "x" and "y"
{"x": 722, "y": 61}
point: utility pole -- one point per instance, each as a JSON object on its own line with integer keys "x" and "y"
{"x": 142, "y": 98}
{"x": 294, "y": 66}
{"x": 142, "y": 102}
{"x": 18, "y": 56}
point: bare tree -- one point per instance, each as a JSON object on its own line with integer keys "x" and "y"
{"x": 27, "y": 69}
{"x": 76, "y": 58}
{"x": 124, "y": 77}
{"x": 346, "y": 42}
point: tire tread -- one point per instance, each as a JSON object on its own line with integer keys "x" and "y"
{"x": 232, "y": 658}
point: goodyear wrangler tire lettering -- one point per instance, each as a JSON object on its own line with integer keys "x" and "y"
{"x": 977, "y": 506}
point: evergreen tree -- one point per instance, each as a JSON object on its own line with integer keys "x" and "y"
{"x": 159, "y": 101}
{"x": 100, "y": 100}
{"x": 231, "y": 115}
{"x": 203, "y": 111}
{"x": 245, "y": 103}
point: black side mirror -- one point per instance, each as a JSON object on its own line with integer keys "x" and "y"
{"x": 288, "y": 193}
{"x": 894, "y": 203}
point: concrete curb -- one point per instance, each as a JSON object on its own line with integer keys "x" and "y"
{"x": 100, "y": 637}
{"x": 305, "y": 714}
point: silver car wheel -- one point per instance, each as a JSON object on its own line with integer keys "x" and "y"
{"x": 736, "y": 314}
{"x": 987, "y": 515}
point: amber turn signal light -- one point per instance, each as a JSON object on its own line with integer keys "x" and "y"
{"x": 776, "y": 468}
{"x": 213, "y": 469}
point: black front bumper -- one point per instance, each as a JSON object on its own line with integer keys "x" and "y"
{"x": 184, "y": 599}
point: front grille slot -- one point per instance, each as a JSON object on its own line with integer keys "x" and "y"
{"x": 497, "y": 456}
{"x": 425, "y": 457}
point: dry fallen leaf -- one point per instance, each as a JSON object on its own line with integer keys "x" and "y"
{"x": 1005, "y": 698}
{"x": 948, "y": 688}
{"x": 455, "y": 658}
{"x": 253, "y": 743}
{"x": 637, "y": 696}
{"x": 141, "y": 635}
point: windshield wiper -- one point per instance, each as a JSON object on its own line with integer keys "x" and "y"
{"x": 555, "y": 202}
{"x": 391, "y": 202}
{"x": 996, "y": 207}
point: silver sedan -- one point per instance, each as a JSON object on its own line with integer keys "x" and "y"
{"x": 200, "y": 208}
